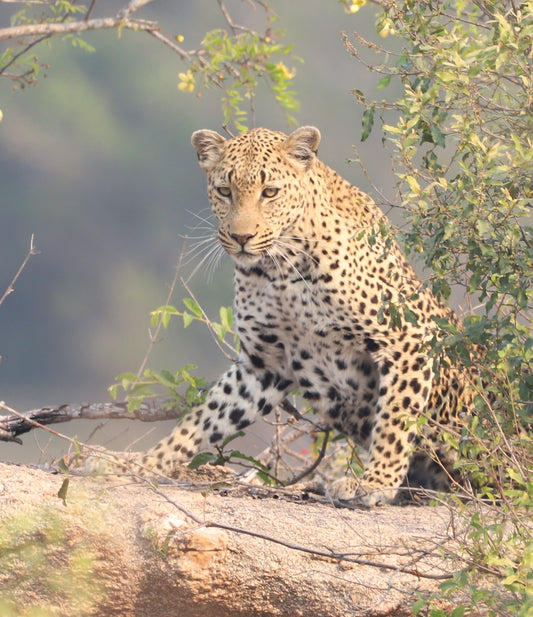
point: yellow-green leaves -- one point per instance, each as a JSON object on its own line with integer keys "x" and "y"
{"x": 235, "y": 63}
{"x": 187, "y": 82}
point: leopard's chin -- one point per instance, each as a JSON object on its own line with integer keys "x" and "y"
{"x": 243, "y": 258}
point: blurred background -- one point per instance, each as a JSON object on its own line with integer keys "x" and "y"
{"x": 96, "y": 162}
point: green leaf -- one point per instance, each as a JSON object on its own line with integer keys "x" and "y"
{"x": 226, "y": 317}
{"x": 163, "y": 313}
{"x": 437, "y": 136}
{"x": 220, "y": 330}
{"x": 410, "y": 316}
{"x": 187, "y": 319}
{"x": 203, "y": 458}
{"x": 166, "y": 378}
{"x": 367, "y": 122}
{"x": 63, "y": 466}
{"x": 413, "y": 184}
{"x": 383, "y": 82}
{"x": 250, "y": 459}
{"x": 113, "y": 391}
{"x": 62, "y": 493}
{"x": 193, "y": 307}
{"x": 483, "y": 227}
{"x": 232, "y": 438}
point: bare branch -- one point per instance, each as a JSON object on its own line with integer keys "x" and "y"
{"x": 152, "y": 410}
{"x": 11, "y": 286}
{"x": 121, "y": 20}
{"x": 168, "y": 42}
{"x": 50, "y": 29}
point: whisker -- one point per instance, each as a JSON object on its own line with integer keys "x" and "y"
{"x": 279, "y": 250}
{"x": 209, "y": 219}
{"x": 274, "y": 258}
{"x": 214, "y": 262}
{"x": 196, "y": 249}
{"x": 294, "y": 248}
{"x": 210, "y": 260}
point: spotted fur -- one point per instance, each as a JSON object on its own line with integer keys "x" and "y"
{"x": 313, "y": 268}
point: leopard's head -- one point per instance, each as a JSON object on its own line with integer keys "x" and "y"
{"x": 257, "y": 186}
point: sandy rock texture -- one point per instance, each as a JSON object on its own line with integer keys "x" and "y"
{"x": 117, "y": 547}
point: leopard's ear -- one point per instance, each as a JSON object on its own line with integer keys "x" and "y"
{"x": 208, "y": 145}
{"x": 302, "y": 145}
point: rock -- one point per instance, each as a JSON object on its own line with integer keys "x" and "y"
{"x": 131, "y": 550}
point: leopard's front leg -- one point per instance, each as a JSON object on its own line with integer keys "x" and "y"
{"x": 401, "y": 400}
{"x": 231, "y": 404}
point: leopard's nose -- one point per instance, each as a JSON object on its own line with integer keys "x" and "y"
{"x": 242, "y": 239}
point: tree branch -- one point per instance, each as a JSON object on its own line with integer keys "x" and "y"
{"x": 103, "y": 23}
{"x": 152, "y": 410}
{"x": 121, "y": 20}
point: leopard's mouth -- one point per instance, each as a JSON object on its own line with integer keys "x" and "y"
{"x": 246, "y": 252}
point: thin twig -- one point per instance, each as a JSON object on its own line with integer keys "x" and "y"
{"x": 227, "y": 17}
{"x": 328, "y": 554}
{"x": 90, "y": 10}
{"x": 11, "y": 286}
{"x": 155, "y": 335}
{"x": 315, "y": 464}
{"x": 156, "y": 33}
{"x": 211, "y": 329}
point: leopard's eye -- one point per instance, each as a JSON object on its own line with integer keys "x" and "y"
{"x": 225, "y": 191}
{"x": 269, "y": 192}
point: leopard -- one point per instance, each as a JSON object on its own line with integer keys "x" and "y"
{"x": 317, "y": 276}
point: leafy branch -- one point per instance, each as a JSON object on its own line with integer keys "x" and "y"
{"x": 232, "y": 60}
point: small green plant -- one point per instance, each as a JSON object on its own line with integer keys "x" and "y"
{"x": 224, "y": 456}
{"x": 194, "y": 313}
{"x": 159, "y": 545}
{"x": 182, "y": 387}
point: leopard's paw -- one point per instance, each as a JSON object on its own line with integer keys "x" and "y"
{"x": 354, "y": 490}
{"x": 107, "y": 463}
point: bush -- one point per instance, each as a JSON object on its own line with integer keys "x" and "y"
{"x": 461, "y": 133}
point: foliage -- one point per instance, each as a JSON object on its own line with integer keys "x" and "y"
{"x": 233, "y": 59}
{"x": 224, "y": 456}
{"x": 196, "y": 313}
{"x": 461, "y": 133}
{"x": 24, "y": 69}
{"x": 182, "y": 386}
{"x": 235, "y": 62}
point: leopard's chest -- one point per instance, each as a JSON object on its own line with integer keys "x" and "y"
{"x": 286, "y": 327}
